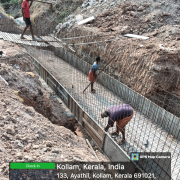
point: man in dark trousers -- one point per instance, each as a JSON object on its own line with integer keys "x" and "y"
{"x": 121, "y": 114}
{"x": 26, "y": 17}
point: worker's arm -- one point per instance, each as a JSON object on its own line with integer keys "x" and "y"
{"x": 31, "y": 3}
{"x": 23, "y": 14}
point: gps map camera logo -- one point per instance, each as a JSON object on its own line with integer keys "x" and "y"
{"x": 135, "y": 156}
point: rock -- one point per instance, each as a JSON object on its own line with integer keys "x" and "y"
{"x": 35, "y": 147}
{"x": 79, "y": 18}
{"x": 70, "y": 25}
{"x": 19, "y": 155}
{"x": 49, "y": 144}
{"x": 165, "y": 14}
{"x": 29, "y": 158}
{"x": 57, "y": 151}
{"x": 66, "y": 24}
{"x": 156, "y": 68}
{"x": 36, "y": 136}
{"x": 18, "y": 137}
{"x": 91, "y": 2}
{"x": 132, "y": 13}
{"x": 84, "y": 5}
{"x": 45, "y": 149}
{"x": 92, "y": 143}
{"x": 141, "y": 8}
{"x": 92, "y": 11}
{"x": 10, "y": 130}
{"x": 146, "y": 5}
{"x": 19, "y": 144}
{"x": 58, "y": 26}
{"x": 112, "y": 4}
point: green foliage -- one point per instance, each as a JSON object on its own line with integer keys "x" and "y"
{"x": 63, "y": 15}
{"x": 13, "y": 2}
{"x": 16, "y": 1}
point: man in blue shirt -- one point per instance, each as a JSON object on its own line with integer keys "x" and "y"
{"x": 93, "y": 74}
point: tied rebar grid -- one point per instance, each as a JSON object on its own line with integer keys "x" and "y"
{"x": 142, "y": 134}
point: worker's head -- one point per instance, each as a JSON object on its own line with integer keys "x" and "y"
{"x": 105, "y": 114}
{"x": 98, "y": 59}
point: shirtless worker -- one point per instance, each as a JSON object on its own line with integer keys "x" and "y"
{"x": 93, "y": 74}
{"x": 26, "y": 17}
{"x": 121, "y": 114}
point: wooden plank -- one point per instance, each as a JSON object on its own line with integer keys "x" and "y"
{"x": 136, "y": 36}
{"x": 98, "y": 139}
{"x": 94, "y": 125}
{"x": 86, "y": 20}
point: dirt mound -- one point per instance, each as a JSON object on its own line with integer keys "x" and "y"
{"x": 29, "y": 86}
{"x": 28, "y": 136}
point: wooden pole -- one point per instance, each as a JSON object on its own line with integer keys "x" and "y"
{"x": 92, "y": 149}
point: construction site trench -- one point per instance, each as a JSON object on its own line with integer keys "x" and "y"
{"x": 161, "y": 132}
{"x": 144, "y": 74}
{"x": 66, "y": 74}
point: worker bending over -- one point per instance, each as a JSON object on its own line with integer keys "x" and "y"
{"x": 121, "y": 114}
{"x": 26, "y": 17}
{"x": 93, "y": 74}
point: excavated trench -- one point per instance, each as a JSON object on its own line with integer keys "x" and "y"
{"x": 50, "y": 108}
{"x": 34, "y": 92}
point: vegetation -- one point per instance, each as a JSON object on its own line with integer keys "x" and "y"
{"x": 63, "y": 15}
{"x": 12, "y": 2}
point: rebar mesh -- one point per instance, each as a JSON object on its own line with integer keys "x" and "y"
{"x": 143, "y": 134}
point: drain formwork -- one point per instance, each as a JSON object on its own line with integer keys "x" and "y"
{"x": 143, "y": 133}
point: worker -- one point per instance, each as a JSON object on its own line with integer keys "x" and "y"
{"x": 26, "y": 17}
{"x": 121, "y": 114}
{"x": 93, "y": 74}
